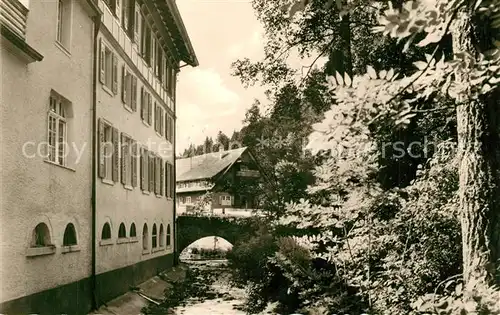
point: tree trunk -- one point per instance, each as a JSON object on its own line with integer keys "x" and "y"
{"x": 479, "y": 178}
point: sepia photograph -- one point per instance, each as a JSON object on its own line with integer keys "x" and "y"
{"x": 237, "y": 157}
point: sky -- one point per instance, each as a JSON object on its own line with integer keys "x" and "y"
{"x": 209, "y": 99}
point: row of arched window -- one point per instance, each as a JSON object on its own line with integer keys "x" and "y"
{"x": 41, "y": 236}
{"x": 158, "y": 238}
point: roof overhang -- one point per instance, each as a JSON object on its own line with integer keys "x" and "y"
{"x": 173, "y": 22}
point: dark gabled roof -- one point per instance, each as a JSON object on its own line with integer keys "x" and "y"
{"x": 206, "y": 166}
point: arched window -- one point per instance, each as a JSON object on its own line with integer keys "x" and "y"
{"x": 40, "y": 236}
{"x": 132, "y": 230}
{"x": 153, "y": 236}
{"x": 162, "y": 235}
{"x": 122, "y": 232}
{"x": 168, "y": 234}
{"x": 145, "y": 236}
{"x": 106, "y": 231}
{"x": 69, "y": 235}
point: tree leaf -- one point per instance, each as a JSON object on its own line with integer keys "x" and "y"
{"x": 347, "y": 79}
{"x": 371, "y": 72}
{"x": 421, "y": 65}
{"x": 339, "y": 78}
{"x": 390, "y": 74}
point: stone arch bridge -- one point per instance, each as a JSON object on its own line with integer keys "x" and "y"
{"x": 233, "y": 229}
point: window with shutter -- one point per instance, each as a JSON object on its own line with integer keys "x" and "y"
{"x": 143, "y": 103}
{"x": 169, "y": 170}
{"x": 172, "y": 181}
{"x": 115, "y": 74}
{"x": 116, "y": 158}
{"x": 166, "y": 125}
{"x": 133, "y": 93}
{"x": 162, "y": 171}
{"x": 134, "y": 164}
{"x": 150, "y": 109}
{"x": 102, "y": 142}
{"x": 124, "y": 85}
{"x": 151, "y": 172}
{"x": 102, "y": 70}
{"x": 143, "y": 169}
{"x": 123, "y": 146}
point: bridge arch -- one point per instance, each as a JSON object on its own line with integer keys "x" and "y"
{"x": 232, "y": 229}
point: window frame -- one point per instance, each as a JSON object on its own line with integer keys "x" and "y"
{"x": 59, "y": 116}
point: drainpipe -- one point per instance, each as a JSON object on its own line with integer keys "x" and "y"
{"x": 97, "y": 23}
{"x": 176, "y": 255}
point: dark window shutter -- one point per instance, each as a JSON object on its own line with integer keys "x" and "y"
{"x": 150, "y": 109}
{"x": 102, "y": 170}
{"x": 124, "y": 85}
{"x": 167, "y": 172}
{"x": 143, "y": 169}
{"x": 133, "y": 102}
{"x": 116, "y": 157}
{"x": 102, "y": 73}
{"x": 124, "y": 148}
{"x": 151, "y": 172}
{"x": 172, "y": 179}
{"x": 133, "y": 167}
{"x": 167, "y": 124}
{"x": 115, "y": 74}
{"x": 162, "y": 177}
{"x": 143, "y": 103}
{"x": 157, "y": 166}
{"x": 171, "y": 129}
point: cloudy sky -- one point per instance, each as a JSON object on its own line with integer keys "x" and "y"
{"x": 209, "y": 99}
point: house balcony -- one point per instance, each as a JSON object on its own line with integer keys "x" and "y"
{"x": 13, "y": 20}
{"x": 248, "y": 173}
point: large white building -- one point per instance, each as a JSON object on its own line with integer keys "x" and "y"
{"x": 87, "y": 136}
{"x": 141, "y": 46}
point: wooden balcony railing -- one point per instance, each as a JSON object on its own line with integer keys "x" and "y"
{"x": 14, "y": 15}
{"x": 248, "y": 173}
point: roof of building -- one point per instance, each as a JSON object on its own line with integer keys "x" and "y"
{"x": 170, "y": 12}
{"x": 207, "y": 165}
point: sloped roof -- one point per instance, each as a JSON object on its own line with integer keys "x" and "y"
{"x": 207, "y": 165}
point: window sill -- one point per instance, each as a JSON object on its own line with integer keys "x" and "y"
{"x": 145, "y": 252}
{"x": 122, "y": 240}
{"x": 108, "y": 182}
{"x": 59, "y": 165}
{"x": 128, "y": 187}
{"x": 146, "y": 123}
{"x": 106, "y": 242}
{"x": 157, "y": 249}
{"x": 107, "y": 90}
{"x": 61, "y": 47}
{"x": 159, "y": 196}
{"x": 159, "y": 134}
{"x": 70, "y": 249}
{"x": 128, "y": 108}
{"x": 40, "y": 251}
{"x": 133, "y": 240}
{"x": 145, "y": 192}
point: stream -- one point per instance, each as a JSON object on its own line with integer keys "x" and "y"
{"x": 214, "y": 293}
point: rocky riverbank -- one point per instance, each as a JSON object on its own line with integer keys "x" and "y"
{"x": 204, "y": 289}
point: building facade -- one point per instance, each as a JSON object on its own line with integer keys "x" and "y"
{"x": 88, "y": 129}
{"x": 223, "y": 183}
{"x": 46, "y": 95}
{"x": 141, "y": 47}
